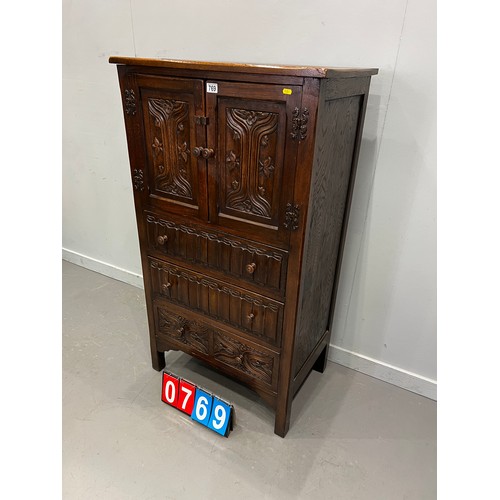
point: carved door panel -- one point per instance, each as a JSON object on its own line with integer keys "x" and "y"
{"x": 176, "y": 179}
{"x": 254, "y": 165}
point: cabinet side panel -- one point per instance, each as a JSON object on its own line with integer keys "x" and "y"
{"x": 333, "y": 159}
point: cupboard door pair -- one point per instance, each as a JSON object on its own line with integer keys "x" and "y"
{"x": 220, "y": 152}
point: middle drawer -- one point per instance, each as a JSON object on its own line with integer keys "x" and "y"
{"x": 252, "y": 313}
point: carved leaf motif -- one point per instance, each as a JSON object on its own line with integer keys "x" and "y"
{"x": 232, "y": 161}
{"x": 183, "y": 151}
{"x": 243, "y": 357}
{"x": 266, "y": 167}
{"x": 188, "y": 332}
{"x": 157, "y": 147}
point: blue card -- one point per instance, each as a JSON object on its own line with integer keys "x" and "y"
{"x": 202, "y": 409}
{"x": 220, "y": 417}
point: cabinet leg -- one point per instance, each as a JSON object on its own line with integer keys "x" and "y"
{"x": 320, "y": 364}
{"x": 158, "y": 360}
{"x": 282, "y": 419}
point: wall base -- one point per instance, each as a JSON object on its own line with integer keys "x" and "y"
{"x": 101, "y": 267}
{"x": 383, "y": 371}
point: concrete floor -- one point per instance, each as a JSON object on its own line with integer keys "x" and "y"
{"x": 351, "y": 436}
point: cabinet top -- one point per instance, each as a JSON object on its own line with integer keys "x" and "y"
{"x": 303, "y": 71}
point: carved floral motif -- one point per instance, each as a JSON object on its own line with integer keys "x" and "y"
{"x": 299, "y": 124}
{"x": 130, "y": 105}
{"x": 249, "y": 178}
{"x": 187, "y": 332}
{"x": 291, "y": 217}
{"x": 138, "y": 179}
{"x": 171, "y": 149}
{"x": 243, "y": 357}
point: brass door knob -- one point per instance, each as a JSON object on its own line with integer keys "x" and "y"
{"x": 166, "y": 286}
{"x": 162, "y": 239}
{"x": 197, "y": 151}
{"x": 250, "y": 317}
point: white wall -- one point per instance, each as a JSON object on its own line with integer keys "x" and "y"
{"x": 386, "y": 307}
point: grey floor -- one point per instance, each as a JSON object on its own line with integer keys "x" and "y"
{"x": 351, "y": 436}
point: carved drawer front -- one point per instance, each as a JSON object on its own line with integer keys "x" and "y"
{"x": 257, "y": 315}
{"x": 249, "y": 261}
{"x": 190, "y": 335}
{"x": 222, "y": 349}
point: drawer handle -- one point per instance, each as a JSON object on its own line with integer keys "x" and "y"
{"x": 162, "y": 239}
{"x": 197, "y": 151}
{"x": 250, "y": 317}
{"x": 240, "y": 358}
{"x": 251, "y": 268}
{"x": 166, "y": 286}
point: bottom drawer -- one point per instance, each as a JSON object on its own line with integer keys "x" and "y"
{"x": 239, "y": 358}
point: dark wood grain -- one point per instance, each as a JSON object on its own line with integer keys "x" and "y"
{"x": 248, "y": 190}
{"x": 303, "y": 71}
{"x": 300, "y": 199}
{"x": 178, "y": 329}
{"x": 254, "y": 263}
{"x": 242, "y": 199}
{"x": 256, "y": 314}
{"x": 332, "y": 165}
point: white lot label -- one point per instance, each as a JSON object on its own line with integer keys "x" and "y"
{"x": 212, "y": 88}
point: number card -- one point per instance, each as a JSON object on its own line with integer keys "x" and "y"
{"x": 185, "y": 400}
{"x": 200, "y": 405}
{"x": 170, "y": 389}
{"x": 221, "y": 415}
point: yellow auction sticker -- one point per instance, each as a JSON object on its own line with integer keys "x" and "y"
{"x": 287, "y": 91}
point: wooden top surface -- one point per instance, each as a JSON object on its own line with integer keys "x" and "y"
{"x": 303, "y": 71}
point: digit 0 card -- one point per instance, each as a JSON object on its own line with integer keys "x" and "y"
{"x": 201, "y": 405}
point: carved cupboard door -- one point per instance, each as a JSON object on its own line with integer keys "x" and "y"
{"x": 254, "y": 166}
{"x": 176, "y": 179}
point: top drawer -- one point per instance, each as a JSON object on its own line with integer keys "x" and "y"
{"x": 249, "y": 261}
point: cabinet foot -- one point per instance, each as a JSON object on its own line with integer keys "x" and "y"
{"x": 158, "y": 360}
{"x": 320, "y": 364}
{"x": 282, "y": 420}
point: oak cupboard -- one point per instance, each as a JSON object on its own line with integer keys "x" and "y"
{"x": 242, "y": 178}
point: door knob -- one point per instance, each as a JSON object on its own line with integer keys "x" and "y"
{"x": 204, "y": 152}
{"x": 207, "y": 153}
